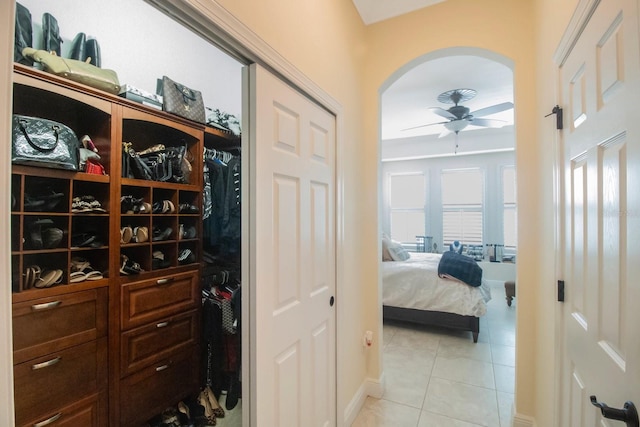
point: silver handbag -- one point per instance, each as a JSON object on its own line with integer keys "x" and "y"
{"x": 43, "y": 142}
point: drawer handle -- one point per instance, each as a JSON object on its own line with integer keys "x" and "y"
{"x": 161, "y": 368}
{"x": 162, "y": 324}
{"x": 165, "y": 281}
{"x": 45, "y": 364}
{"x": 48, "y": 421}
{"x": 45, "y": 305}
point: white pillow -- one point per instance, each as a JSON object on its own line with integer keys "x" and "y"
{"x": 386, "y": 256}
{"x": 397, "y": 252}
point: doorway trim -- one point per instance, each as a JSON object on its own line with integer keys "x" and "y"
{"x": 212, "y": 21}
{"x": 7, "y": 9}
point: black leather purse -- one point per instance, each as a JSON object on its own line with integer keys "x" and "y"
{"x": 43, "y": 142}
{"x": 158, "y": 164}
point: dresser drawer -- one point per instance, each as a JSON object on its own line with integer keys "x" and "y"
{"x": 87, "y": 412}
{"x": 47, "y": 325}
{"x": 45, "y": 384}
{"x": 151, "y": 343}
{"x": 150, "y": 300}
{"x": 151, "y": 390}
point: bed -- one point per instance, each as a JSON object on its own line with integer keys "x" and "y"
{"x": 412, "y": 291}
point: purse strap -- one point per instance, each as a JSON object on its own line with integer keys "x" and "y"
{"x": 187, "y": 94}
{"x": 44, "y": 149}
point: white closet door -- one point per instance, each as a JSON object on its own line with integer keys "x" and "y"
{"x": 292, "y": 256}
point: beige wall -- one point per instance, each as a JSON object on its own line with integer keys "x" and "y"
{"x": 505, "y": 28}
{"x": 325, "y": 39}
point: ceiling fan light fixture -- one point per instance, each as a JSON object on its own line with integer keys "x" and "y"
{"x": 456, "y": 125}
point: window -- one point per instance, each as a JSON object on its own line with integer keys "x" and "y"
{"x": 462, "y": 206}
{"x": 407, "y": 195}
{"x": 510, "y": 228}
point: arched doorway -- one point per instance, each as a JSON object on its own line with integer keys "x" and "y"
{"x": 423, "y": 364}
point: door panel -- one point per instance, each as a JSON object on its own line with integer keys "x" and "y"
{"x": 292, "y": 149}
{"x": 600, "y": 83}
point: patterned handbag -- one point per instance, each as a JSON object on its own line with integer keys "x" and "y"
{"x": 180, "y": 100}
{"x": 42, "y": 142}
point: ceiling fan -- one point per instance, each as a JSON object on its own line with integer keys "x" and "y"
{"x": 459, "y": 117}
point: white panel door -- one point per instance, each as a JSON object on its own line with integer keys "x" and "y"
{"x": 600, "y": 82}
{"x": 292, "y": 214}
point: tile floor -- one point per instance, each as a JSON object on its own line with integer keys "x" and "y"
{"x": 232, "y": 418}
{"x": 439, "y": 378}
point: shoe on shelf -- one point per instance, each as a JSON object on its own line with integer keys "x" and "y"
{"x": 31, "y": 275}
{"x": 84, "y": 240}
{"x": 35, "y": 232}
{"x": 128, "y": 267}
{"x": 140, "y": 234}
{"x": 160, "y": 234}
{"x": 88, "y": 203}
{"x": 187, "y": 208}
{"x": 81, "y": 270}
{"x": 130, "y": 204}
{"x": 126, "y": 233}
{"x": 51, "y": 237}
{"x": 48, "y": 278}
{"x": 186, "y": 256}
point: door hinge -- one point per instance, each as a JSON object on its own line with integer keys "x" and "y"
{"x": 561, "y": 290}
{"x": 557, "y": 110}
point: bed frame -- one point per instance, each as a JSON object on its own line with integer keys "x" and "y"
{"x": 434, "y": 318}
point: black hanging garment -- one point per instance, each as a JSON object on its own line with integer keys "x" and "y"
{"x": 231, "y": 221}
{"x": 213, "y": 346}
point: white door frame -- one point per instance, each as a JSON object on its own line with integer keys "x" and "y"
{"x": 209, "y": 19}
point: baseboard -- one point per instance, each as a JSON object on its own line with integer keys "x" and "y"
{"x": 370, "y": 387}
{"x": 520, "y": 420}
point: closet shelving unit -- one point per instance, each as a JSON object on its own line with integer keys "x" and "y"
{"x": 118, "y": 350}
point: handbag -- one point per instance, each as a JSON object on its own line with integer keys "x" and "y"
{"x": 94, "y": 167}
{"x": 182, "y": 101}
{"x": 23, "y": 34}
{"x": 78, "y": 71}
{"x": 51, "y": 34}
{"x": 180, "y": 159}
{"x": 43, "y": 142}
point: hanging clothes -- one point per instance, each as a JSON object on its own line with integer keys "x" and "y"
{"x": 216, "y": 187}
{"x": 231, "y": 220}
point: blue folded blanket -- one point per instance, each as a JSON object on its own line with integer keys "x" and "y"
{"x": 460, "y": 267}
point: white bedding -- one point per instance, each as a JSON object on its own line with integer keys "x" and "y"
{"x": 414, "y": 283}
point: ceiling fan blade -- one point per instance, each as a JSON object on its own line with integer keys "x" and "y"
{"x": 442, "y": 112}
{"x": 444, "y": 133}
{"x": 498, "y": 108}
{"x": 488, "y": 123}
{"x": 422, "y": 126}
